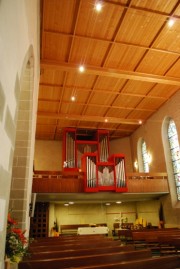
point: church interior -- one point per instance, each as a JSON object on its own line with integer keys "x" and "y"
{"x": 89, "y": 128}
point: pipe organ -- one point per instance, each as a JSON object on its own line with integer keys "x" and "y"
{"x": 91, "y": 154}
{"x": 70, "y": 150}
{"x": 103, "y": 142}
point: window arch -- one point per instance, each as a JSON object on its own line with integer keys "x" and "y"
{"x": 175, "y": 154}
{"x": 145, "y": 157}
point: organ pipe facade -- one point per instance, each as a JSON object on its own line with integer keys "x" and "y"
{"x": 101, "y": 171}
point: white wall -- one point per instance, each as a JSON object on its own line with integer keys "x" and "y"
{"x": 19, "y": 30}
{"x": 151, "y": 131}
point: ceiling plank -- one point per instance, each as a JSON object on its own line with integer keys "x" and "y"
{"x": 102, "y": 71}
{"x": 135, "y": 94}
{"x": 154, "y": 49}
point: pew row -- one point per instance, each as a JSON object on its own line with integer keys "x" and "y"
{"x": 166, "y": 262}
{"x": 161, "y": 241}
{"x": 147, "y": 233}
{"x": 97, "y": 259}
{"x": 72, "y": 245}
{"x": 79, "y": 252}
{"x": 69, "y": 239}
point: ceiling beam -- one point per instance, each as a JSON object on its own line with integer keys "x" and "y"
{"x": 74, "y": 117}
{"x": 109, "y": 72}
{"x": 97, "y": 90}
{"x": 87, "y": 127}
{"x": 98, "y": 105}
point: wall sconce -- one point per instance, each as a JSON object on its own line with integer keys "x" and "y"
{"x": 136, "y": 165}
{"x": 149, "y": 158}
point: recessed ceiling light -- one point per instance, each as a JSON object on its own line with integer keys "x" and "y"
{"x": 106, "y": 120}
{"x": 71, "y": 203}
{"x": 140, "y": 121}
{"x": 107, "y": 203}
{"x": 98, "y": 7}
{"x": 66, "y": 204}
{"x": 81, "y": 68}
{"x": 170, "y": 22}
{"x": 73, "y": 98}
{"x": 118, "y": 202}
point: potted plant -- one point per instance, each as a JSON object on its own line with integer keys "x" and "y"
{"x": 16, "y": 242}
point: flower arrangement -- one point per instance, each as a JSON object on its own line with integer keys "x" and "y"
{"x": 16, "y": 242}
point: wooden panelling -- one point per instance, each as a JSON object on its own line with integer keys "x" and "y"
{"x": 54, "y": 185}
{"x": 136, "y": 183}
{"x": 147, "y": 185}
{"x": 131, "y": 59}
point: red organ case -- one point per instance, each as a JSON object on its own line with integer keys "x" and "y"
{"x": 91, "y": 155}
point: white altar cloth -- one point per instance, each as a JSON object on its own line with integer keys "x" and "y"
{"x": 93, "y": 230}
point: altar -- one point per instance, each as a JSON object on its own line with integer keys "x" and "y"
{"x": 92, "y": 230}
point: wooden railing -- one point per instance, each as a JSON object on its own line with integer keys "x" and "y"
{"x": 147, "y": 182}
{"x": 146, "y": 175}
{"x": 57, "y": 174}
{"x": 73, "y": 182}
{"x": 58, "y": 181}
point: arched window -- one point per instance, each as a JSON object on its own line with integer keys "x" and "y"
{"x": 145, "y": 157}
{"x": 175, "y": 154}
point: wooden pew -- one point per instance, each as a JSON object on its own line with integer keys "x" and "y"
{"x": 77, "y": 245}
{"x": 138, "y": 235}
{"x": 79, "y": 252}
{"x": 73, "y": 236}
{"x": 146, "y": 231}
{"x": 166, "y": 262}
{"x": 73, "y": 262}
{"x": 169, "y": 239}
{"x": 151, "y": 239}
{"x": 69, "y": 239}
{"x": 169, "y": 244}
{"x": 145, "y": 235}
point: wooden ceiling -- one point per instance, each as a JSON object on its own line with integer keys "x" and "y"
{"x": 131, "y": 58}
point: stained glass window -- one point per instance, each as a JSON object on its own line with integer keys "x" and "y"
{"x": 175, "y": 154}
{"x": 145, "y": 157}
